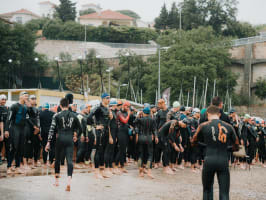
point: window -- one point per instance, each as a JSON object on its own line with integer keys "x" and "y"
{"x": 19, "y": 20}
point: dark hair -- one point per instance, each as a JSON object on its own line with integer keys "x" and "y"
{"x": 213, "y": 110}
{"x": 216, "y": 101}
{"x": 64, "y": 102}
{"x": 70, "y": 98}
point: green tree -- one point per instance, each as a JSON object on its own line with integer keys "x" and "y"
{"x": 261, "y": 88}
{"x": 173, "y": 18}
{"x": 129, "y": 13}
{"x": 66, "y": 10}
{"x": 161, "y": 22}
{"x": 86, "y": 12}
{"x": 240, "y": 30}
{"x": 36, "y": 24}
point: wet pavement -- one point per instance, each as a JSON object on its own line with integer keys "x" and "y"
{"x": 184, "y": 185}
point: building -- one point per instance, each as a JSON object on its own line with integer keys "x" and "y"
{"x": 91, "y": 6}
{"x": 21, "y": 16}
{"x": 106, "y": 18}
{"x": 47, "y": 9}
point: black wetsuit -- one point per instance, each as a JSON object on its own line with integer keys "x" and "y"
{"x": 82, "y": 145}
{"x": 216, "y": 161}
{"x": 161, "y": 118}
{"x": 195, "y": 150}
{"x": 101, "y": 117}
{"x": 64, "y": 124}
{"x": 167, "y": 134}
{"x": 3, "y": 117}
{"x": 146, "y": 130}
{"x": 122, "y": 137}
{"x": 46, "y": 117}
{"x": 15, "y": 124}
{"x": 261, "y": 144}
{"x": 109, "y": 153}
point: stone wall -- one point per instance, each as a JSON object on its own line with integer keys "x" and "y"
{"x": 259, "y": 111}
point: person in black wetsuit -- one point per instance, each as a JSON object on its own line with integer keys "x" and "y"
{"x": 64, "y": 125}
{"x": 261, "y": 143}
{"x": 216, "y": 133}
{"x": 161, "y": 118}
{"x": 99, "y": 117}
{"x": 3, "y": 117}
{"x": 146, "y": 132}
{"x": 195, "y": 150}
{"x": 122, "y": 135}
{"x": 46, "y": 117}
{"x": 15, "y": 129}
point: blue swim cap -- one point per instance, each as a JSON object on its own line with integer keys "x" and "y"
{"x": 46, "y": 105}
{"x": 104, "y": 95}
{"x": 147, "y": 110}
{"x": 113, "y": 102}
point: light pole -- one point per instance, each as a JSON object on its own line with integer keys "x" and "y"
{"x": 129, "y": 87}
{"x": 159, "y": 69}
{"x": 100, "y": 70}
{"x": 109, "y": 70}
{"x": 81, "y": 75}
{"x": 39, "y": 75}
{"x": 58, "y": 73}
{"x": 10, "y": 73}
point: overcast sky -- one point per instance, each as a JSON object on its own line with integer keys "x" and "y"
{"x": 253, "y": 11}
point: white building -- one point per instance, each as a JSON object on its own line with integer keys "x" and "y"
{"x": 47, "y": 9}
{"x": 92, "y": 6}
{"x": 21, "y": 16}
{"x": 106, "y": 18}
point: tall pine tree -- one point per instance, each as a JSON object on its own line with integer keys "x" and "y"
{"x": 161, "y": 22}
{"x": 173, "y": 18}
{"x": 66, "y": 11}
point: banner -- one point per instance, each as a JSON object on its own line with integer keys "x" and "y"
{"x": 166, "y": 96}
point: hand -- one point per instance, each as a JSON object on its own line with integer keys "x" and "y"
{"x": 47, "y": 147}
{"x": 87, "y": 139}
{"x": 176, "y": 148}
{"x": 40, "y": 137}
{"x": 75, "y": 139}
{"x": 82, "y": 138}
{"x": 111, "y": 141}
{"x": 36, "y": 130}
{"x": 1, "y": 138}
{"x": 6, "y": 134}
{"x": 181, "y": 149}
{"x": 156, "y": 140}
{"x": 182, "y": 124}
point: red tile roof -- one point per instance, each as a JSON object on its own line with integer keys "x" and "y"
{"x": 21, "y": 11}
{"x": 107, "y": 14}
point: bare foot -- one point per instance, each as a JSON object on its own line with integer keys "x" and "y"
{"x": 68, "y": 188}
{"x": 123, "y": 170}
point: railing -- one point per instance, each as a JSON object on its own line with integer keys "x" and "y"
{"x": 249, "y": 40}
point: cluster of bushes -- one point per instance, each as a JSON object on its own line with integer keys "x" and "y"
{"x": 70, "y": 30}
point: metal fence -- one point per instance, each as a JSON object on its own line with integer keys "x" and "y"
{"x": 249, "y": 40}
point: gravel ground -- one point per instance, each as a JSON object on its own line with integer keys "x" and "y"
{"x": 245, "y": 185}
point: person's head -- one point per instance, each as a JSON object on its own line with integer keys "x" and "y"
{"x": 24, "y": 97}
{"x": 217, "y": 101}
{"x": 32, "y": 100}
{"x": 105, "y": 99}
{"x": 247, "y": 118}
{"x": 119, "y": 104}
{"x": 146, "y": 111}
{"x": 83, "y": 109}
{"x": 126, "y": 106}
{"x": 182, "y": 109}
{"x": 70, "y": 98}
{"x": 88, "y": 108}
{"x": 188, "y": 110}
{"x": 153, "y": 109}
{"x": 3, "y": 100}
{"x": 64, "y": 103}
{"x": 161, "y": 103}
{"x": 176, "y": 106}
{"x": 196, "y": 113}
{"x": 232, "y": 112}
{"x": 113, "y": 104}
{"x": 45, "y": 106}
{"x": 213, "y": 112}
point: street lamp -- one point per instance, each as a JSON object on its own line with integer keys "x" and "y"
{"x": 109, "y": 70}
{"x": 81, "y": 75}
{"x": 127, "y": 54}
{"x": 159, "y": 69}
{"x": 39, "y": 81}
{"x": 58, "y": 71}
{"x": 10, "y": 72}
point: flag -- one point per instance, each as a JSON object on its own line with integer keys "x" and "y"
{"x": 166, "y": 96}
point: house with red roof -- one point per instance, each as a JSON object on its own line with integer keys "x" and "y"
{"x": 106, "y": 18}
{"x": 21, "y": 16}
